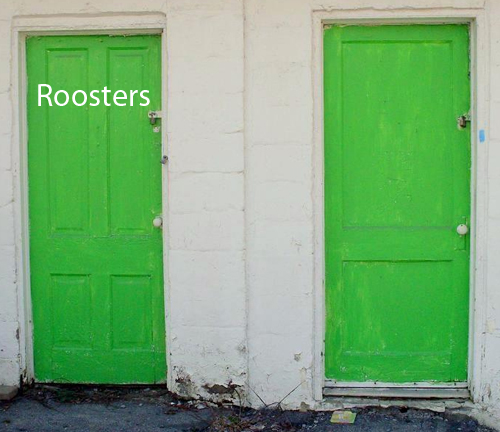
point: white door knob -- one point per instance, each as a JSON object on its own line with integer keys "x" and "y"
{"x": 462, "y": 229}
{"x": 158, "y": 222}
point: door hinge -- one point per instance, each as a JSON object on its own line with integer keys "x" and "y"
{"x": 153, "y": 115}
{"x": 463, "y": 120}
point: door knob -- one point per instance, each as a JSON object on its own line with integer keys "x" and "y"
{"x": 462, "y": 229}
{"x": 158, "y": 222}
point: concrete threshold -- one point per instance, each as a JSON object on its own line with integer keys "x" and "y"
{"x": 331, "y": 403}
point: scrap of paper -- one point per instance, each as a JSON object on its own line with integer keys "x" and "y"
{"x": 343, "y": 417}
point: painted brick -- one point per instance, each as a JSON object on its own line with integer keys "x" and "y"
{"x": 276, "y": 45}
{"x": 6, "y": 192}
{"x": 287, "y": 75}
{"x": 397, "y": 4}
{"x": 495, "y": 85}
{"x": 9, "y": 372}
{"x": 205, "y": 34}
{"x": 493, "y": 319}
{"x": 8, "y": 288}
{"x": 276, "y": 14}
{"x": 264, "y": 303}
{"x": 203, "y": 5}
{"x": 198, "y": 349}
{"x": 206, "y": 271}
{"x": 264, "y": 120}
{"x": 209, "y": 153}
{"x": 206, "y": 231}
{"x": 5, "y": 153}
{"x": 276, "y": 203}
{"x": 277, "y": 238}
{"x": 8, "y": 392}
{"x": 8, "y": 294}
{"x": 5, "y": 46}
{"x": 281, "y": 275}
{"x": 495, "y": 51}
{"x": 7, "y": 225}
{"x": 269, "y": 350}
{"x": 9, "y": 344}
{"x": 286, "y": 162}
{"x": 5, "y": 114}
{"x": 211, "y": 276}
{"x": 34, "y": 7}
{"x": 195, "y": 116}
{"x": 493, "y": 180}
{"x": 195, "y": 192}
{"x": 188, "y": 77}
{"x": 495, "y": 113}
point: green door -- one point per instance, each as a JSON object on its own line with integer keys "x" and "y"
{"x": 397, "y": 185}
{"x": 94, "y": 189}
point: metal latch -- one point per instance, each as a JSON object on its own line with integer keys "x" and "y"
{"x": 463, "y": 120}
{"x": 153, "y": 115}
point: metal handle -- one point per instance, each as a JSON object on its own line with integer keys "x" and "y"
{"x": 463, "y": 120}
{"x": 462, "y": 229}
{"x": 158, "y": 222}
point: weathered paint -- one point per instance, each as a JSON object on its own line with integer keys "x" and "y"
{"x": 243, "y": 83}
{"x": 94, "y": 189}
{"x": 397, "y": 173}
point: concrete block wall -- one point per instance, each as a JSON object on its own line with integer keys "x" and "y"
{"x": 279, "y": 199}
{"x": 207, "y": 334}
{"x": 240, "y": 222}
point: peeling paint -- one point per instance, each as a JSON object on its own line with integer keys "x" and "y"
{"x": 241, "y": 255}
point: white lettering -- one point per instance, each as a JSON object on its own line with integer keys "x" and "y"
{"x": 67, "y": 97}
{"x": 95, "y": 98}
{"x": 116, "y": 97}
{"x": 84, "y": 98}
{"x": 40, "y": 96}
{"x": 145, "y": 98}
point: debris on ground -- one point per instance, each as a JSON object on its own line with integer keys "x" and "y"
{"x": 343, "y": 417}
{"x": 154, "y": 409}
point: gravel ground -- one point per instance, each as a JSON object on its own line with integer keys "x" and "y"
{"x": 82, "y": 409}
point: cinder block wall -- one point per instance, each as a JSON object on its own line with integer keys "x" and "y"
{"x": 240, "y": 223}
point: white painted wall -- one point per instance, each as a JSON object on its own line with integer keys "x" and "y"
{"x": 243, "y": 302}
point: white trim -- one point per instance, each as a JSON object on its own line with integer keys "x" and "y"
{"x": 134, "y": 23}
{"x": 480, "y": 116}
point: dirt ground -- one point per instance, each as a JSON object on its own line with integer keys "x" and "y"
{"x": 86, "y": 409}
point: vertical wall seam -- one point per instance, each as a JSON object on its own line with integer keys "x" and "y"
{"x": 245, "y": 205}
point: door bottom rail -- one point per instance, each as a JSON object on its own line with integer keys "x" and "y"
{"x": 408, "y": 391}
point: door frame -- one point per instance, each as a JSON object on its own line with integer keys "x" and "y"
{"x": 479, "y": 59}
{"x": 64, "y": 25}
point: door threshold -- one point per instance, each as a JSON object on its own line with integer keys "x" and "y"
{"x": 407, "y": 392}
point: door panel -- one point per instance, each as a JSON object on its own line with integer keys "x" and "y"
{"x": 397, "y": 184}
{"x": 94, "y": 189}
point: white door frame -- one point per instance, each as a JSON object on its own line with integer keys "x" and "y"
{"x": 119, "y": 24}
{"x": 480, "y": 115}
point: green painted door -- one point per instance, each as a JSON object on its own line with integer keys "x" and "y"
{"x": 397, "y": 185}
{"x": 94, "y": 189}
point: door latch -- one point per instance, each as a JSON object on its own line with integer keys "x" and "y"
{"x": 153, "y": 115}
{"x": 463, "y": 120}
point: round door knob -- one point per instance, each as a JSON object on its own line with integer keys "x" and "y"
{"x": 157, "y": 222}
{"x": 462, "y": 229}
